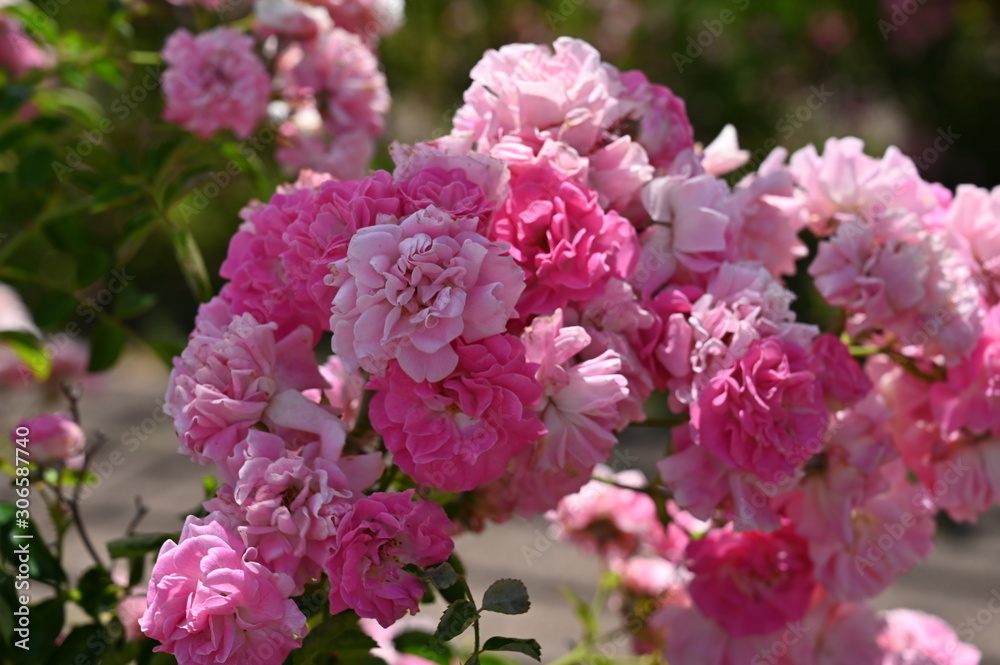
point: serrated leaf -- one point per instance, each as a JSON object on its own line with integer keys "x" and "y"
{"x": 97, "y": 591}
{"x": 442, "y": 576}
{"x": 456, "y": 619}
{"x": 339, "y": 635}
{"x": 507, "y": 596}
{"x": 138, "y": 544}
{"x": 528, "y": 647}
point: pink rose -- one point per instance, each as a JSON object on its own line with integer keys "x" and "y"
{"x": 568, "y": 247}
{"x": 915, "y": 638}
{"x": 411, "y": 289}
{"x": 460, "y": 432}
{"x": 214, "y": 81}
{"x": 751, "y": 583}
{"x": 381, "y": 534}
{"x": 52, "y": 439}
{"x": 761, "y": 414}
{"x": 211, "y": 602}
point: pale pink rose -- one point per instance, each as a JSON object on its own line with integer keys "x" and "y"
{"x": 568, "y": 247}
{"x": 222, "y": 383}
{"x": 894, "y": 274}
{"x": 18, "y": 53}
{"x": 702, "y": 333}
{"x": 758, "y": 415}
{"x": 648, "y": 576}
{"x": 288, "y": 18}
{"x": 211, "y": 602}
{"x": 460, "y": 432}
{"x": 969, "y": 397}
{"x": 343, "y": 391}
{"x": 369, "y": 19}
{"x": 844, "y": 183}
{"x": 842, "y": 379}
{"x": 338, "y": 68}
{"x": 693, "y": 228}
{"x": 632, "y": 408}
{"x": 411, "y": 289}
{"x": 288, "y": 505}
{"x": 891, "y": 532}
{"x": 833, "y": 633}
{"x": 129, "y": 611}
{"x": 769, "y": 217}
{"x": 974, "y": 221}
{"x": 381, "y": 534}
{"x": 214, "y": 81}
{"x": 618, "y": 171}
{"x": 462, "y": 184}
{"x": 664, "y": 129}
{"x": 611, "y": 521}
{"x": 536, "y": 93}
{"x": 317, "y": 234}
{"x": 723, "y": 155}
{"x": 751, "y": 583}
{"x": 915, "y": 638}
{"x": 51, "y": 439}
{"x": 385, "y": 637}
{"x": 578, "y": 398}
{"x": 307, "y": 143}
{"x": 843, "y": 473}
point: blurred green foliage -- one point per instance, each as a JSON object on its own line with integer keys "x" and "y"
{"x": 146, "y": 194}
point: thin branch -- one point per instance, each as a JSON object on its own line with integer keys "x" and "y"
{"x": 140, "y": 511}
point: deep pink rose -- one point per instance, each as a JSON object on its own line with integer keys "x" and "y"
{"x": 381, "y": 534}
{"x": 751, "y": 582}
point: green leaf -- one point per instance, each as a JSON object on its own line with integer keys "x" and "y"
{"x": 339, "y": 635}
{"x": 456, "y": 619}
{"x": 29, "y": 350}
{"x": 132, "y": 302}
{"x": 473, "y": 659}
{"x": 41, "y": 564}
{"x": 97, "y": 592}
{"x": 442, "y": 576}
{"x": 54, "y": 308}
{"x": 192, "y": 264}
{"x": 424, "y": 645}
{"x": 107, "y": 341}
{"x": 526, "y": 646}
{"x": 507, "y": 596}
{"x": 166, "y": 349}
{"x": 138, "y": 544}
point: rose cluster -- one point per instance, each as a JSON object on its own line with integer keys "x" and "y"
{"x": 510, "y": 297}
{"x": 320, "y": 81}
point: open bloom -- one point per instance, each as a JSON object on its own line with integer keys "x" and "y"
{"x": 915, "y": 638}
{"x": 411, "y": 289}
{"x": 460, "y": 432}
{"x": 224, "y": 380}
{"x": 760, "y": 415}
{"x": 214, "y": 81}
{"x": 381, "y": 534}
{"x": 210, "y": 602}
{"x": 751, "y": 583}
{"x": 568, "y": 247}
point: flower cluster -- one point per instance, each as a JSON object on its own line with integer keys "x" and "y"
{"x": 508, "y": 299}
{"x": 322, "y": 88}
